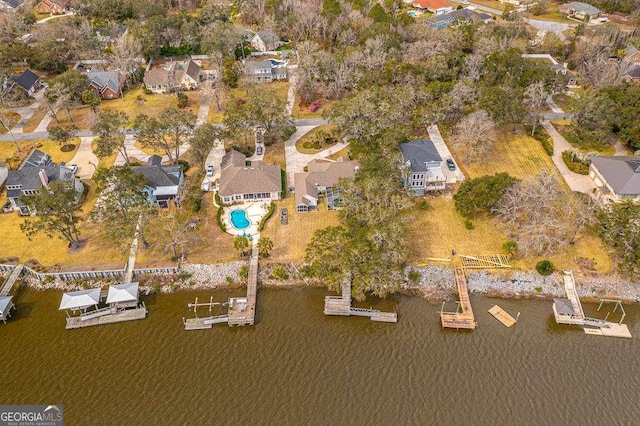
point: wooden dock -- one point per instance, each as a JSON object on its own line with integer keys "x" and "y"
{"x": 11, "y": 280}
{"x": 203, "y": 323}
{"x": 106, "y": 316}
{"x": 569, "y": 311}
{"x": 502, "y": 316}
{"x": 341, "y": 306}
{"x": 463, "y": 317}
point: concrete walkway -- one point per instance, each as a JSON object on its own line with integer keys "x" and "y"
{"x": 85, "y": 159}
{"x": 554, "y": 106}
{"x": 48, "y": 18}
{"x": 203, "y": 110}
{"x": 42, "y": 127}
{"x": 576, "y": 182}
{"x": 452, "y": 176}
{"x": 27, "y": 112}
{"x": 291, "y": 93}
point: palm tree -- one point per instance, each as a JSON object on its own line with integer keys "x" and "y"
{"x": 240, "y": 243}
{"x": 265, "y": 245}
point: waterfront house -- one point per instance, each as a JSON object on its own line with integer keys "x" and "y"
{"x": 423, "y": 167}
{"x": 53, "y": 7}
{"x": 579, "y": 10}
{"x": 240, "y": 182}
{"x": 105, "y": 84}
{"x": 172, "y": 76}
{"x": 462, "y": 15}
{"x": 28, "y": 81}
{"x": 265, "y": 71}
{"x": 163, "y": 182}
{"x": 36, "y": 171}
{"x": 616, "y": 177}
{"x": 265, "y": 41}
{"x": 631, "y": 62}
{"x": 437, "y": 7}
{"x": 321, "y": 180}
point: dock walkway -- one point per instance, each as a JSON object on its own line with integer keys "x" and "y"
{"x": 10, "y": 281}
{"x": 341, "y": 306}
{"x": 106, "y": 316}
{"x": 462, "y": 318}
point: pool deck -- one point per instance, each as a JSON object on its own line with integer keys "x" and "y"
{"x": 255, "y": 212}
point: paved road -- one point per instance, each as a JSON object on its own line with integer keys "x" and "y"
{"x": 554, "y": 27}
{"x": 576, "y": 182}
{"x": 481, "y": 7}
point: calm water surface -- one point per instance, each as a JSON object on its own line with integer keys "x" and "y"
{"x": 297, "y": 366}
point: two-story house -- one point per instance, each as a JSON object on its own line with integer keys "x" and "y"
{"x": 173, "y": 76}
{"x": 36, "y": 171}
{"x": 616, "y": 177}
{"x": 163, "y": 182}
{"x": 422, "y": 167}
{"x": 240, "y": 183}
{"x": 265, "y": 41}
{"x": 321, "y": 180}
{"x": 105, "y": 84}
{"x": 53, "y": 7}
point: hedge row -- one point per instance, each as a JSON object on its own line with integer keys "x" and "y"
{"x": 574, "y": 164}
{"x": 220, "y": 223}
{"x": 272, "y": 208}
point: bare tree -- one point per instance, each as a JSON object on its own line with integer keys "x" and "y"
{"x": 125, "y": 53}
{"x": 475, "y": 135}
{"x": 536, "y": 95}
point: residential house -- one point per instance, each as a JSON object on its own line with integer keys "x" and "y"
{"x": 265, "y": 71}
{"x": 36, "y": 171}
{"x": 240, "y": 183}
{"x": 265, "y": 41}
{"x": 53, "y": 7}
{"x": 105, "y": 84}
{"x": 616, "y": 177}
{"x": 572, "y": 80}
{"x": 173, "y": 76}
{"x": 437, "y": 7}
{"x": 321, "y": 180}
{"x": 442, "y": 21}
{"x": 579, "y": 10}
{"x": 423, "y": 167}
{"x": 28, "y": 81}
{"x": 163, "y": 182}
{"x": 4, "y": 172}
{"x": 632, "y": 63}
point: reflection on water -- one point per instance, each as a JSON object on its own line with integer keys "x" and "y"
{"x": 297, "y": 366}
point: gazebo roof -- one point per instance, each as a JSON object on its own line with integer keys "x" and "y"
{"x": 122, "y": 293}
{"x": 80, "y": 299}
{"x": 5, "y": 304}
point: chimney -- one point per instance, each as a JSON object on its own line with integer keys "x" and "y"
{"x": 43, "y": 178}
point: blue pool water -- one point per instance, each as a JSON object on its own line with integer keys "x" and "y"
{"x": 239, "y": 219}
{"x": 412, "y": 13}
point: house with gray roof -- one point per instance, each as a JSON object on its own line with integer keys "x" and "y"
{"x": 422, "y": 169}
{"x": 172, "y": 76}
{"x": 36, "y": 171}
{"x": 242, "y": 183}
{"x": 163, "y": 182}
{"x": 632, "y": 61}
{"x": 322, "y": 181}
{"x": 616, "y": 177}
{"x": 461, "y": 15}
{"x": 105, "y": 84}
{"x": 265, "y": 41}
{"x": 265, "y": 71}
{"x": 579, "y": 10}
{"x": 28, "y": 81}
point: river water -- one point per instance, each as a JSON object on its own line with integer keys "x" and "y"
{"x": 297, "y": 366}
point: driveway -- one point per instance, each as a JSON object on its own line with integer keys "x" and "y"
{"x": 497, "y": 12}
{"x": 554, "y": 27}
{"x": 576, "y": 182}
{"x": 452, "y": 176}
{"x": 215, "y": 159}
{"x": 27, "y": 112}
{"x": 85, "y": 159}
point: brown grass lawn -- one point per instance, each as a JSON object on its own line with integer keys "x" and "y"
{"x": 280, "y": 87}
{"x": 8, "y": 150}
{"x": 107, "y": 161}
{"x": 309, "y": 135}
{"x": 290, "y": 241}
{"x": 9, "y": 117}
{"x": 274, "y": 154}
{"x": 562, "y": 100}
{"x": 149, "y": 151}
{"x": 35, "y": 119}
{"x": 83, "y": 118}
{"x": 344, "y": 152}
{"x": 517, "y": 154}
{"x": 303, "y": 111}
{"x": 151, "y": 105}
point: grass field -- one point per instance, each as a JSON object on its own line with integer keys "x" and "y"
{"x": 8, "y": 151}
{"x": 562, "y": 100}
{"x": 35, "y": 119}
{"x": 10, "y": 118}
{"x": 601, "y": 146}
{"x": 290, "y": 241}
{"x": 274, "y": 154}
{"x": 83, "y": 118}
{"x": 281, "y": 89}
{"x": 151, "y": 105}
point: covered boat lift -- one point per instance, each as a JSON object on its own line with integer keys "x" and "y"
{"x": 6, "y": 304}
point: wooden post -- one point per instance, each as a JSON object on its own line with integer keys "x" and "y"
{"x": 442, "y": 308}
{"x": 517, "y": 316}
{"x": 607, "y": 316}
{"x": 600, "y": 305}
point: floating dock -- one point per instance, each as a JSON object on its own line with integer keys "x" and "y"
{"x": 569, "y": 311}
{"x": 463, "y": 317}
{"x": 341, "y": 306}
{"x": 502, "y": 316}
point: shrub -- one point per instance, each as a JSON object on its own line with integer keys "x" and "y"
{"x": 183, "y": 100}
{"x": 545, "y": 267}
{"x": 272, "y": 208}
{"x": 510, "y": 247}
{"x": 229, "y": 280}
{"x": 543, "y": 137}
{"x": 185, "y": 165}
{"x": 244, "y": 272}
{"x": 278, "y": 273}
{"x": 414, "y": 276}
{"x": 156, "y": 288}
{"x": 538, "y": 289}
{"x": 480, "y": 195}
{"x": 575, "y": 164}
{"x": 219, "y": 218}
{"x": 468, "y": 224}
{"x": 423, "y": 205}
{"x": 314, "y": 106}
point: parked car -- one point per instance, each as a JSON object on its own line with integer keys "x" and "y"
{"x": 209, "y": 170}
{"x": 259, "y": 150}
{"x": 450, "y": 164}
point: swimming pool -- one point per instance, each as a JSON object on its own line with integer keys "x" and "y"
{"x": 413, "y": 13}
{"x": 239, "y": 219}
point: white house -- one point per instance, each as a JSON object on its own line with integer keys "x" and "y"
{"x": 437, "y": 7}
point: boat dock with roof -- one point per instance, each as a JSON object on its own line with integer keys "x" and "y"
{"x": 119, "y": 303}
{"x": 569, "y": 311}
